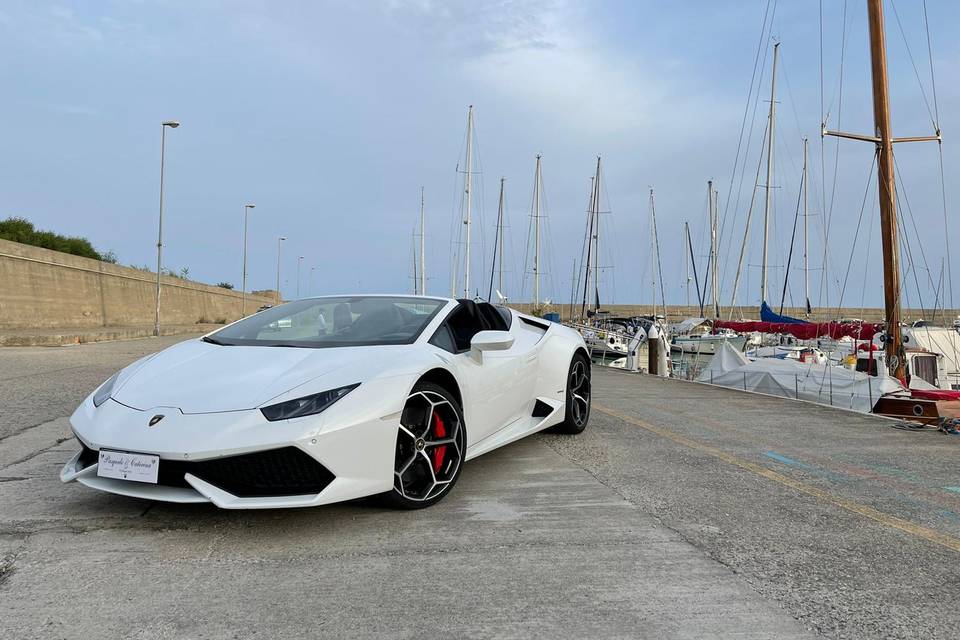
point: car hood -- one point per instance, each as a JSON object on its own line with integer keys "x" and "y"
{"x": 199, "y": 377}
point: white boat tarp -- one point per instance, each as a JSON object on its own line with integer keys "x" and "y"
{"x": 686, "y": 326}
{"x": 824, "y": 384}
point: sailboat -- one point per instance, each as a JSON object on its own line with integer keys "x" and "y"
{"x": 591, "y": 279}
{"x": 879, "y": 380}
{"x": 600, "y": 335}
{"x": 466, "y": 220}
{"x": 685, "y": 339}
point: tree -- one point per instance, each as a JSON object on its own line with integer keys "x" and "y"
{"x": 225, "y": 285}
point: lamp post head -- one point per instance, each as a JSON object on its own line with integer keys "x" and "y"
{"x": 173, "y": 124}
{"x": 282, "y": 238}
{"x": 250, "y": 206}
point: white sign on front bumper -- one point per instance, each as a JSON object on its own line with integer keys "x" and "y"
{"x": 128, "y": 466}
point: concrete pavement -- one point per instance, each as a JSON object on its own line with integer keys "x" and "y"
{"x": 642, "y": 527}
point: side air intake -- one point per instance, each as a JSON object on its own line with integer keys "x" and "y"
{"x": 541, "y": 409}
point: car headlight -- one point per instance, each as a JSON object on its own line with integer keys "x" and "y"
{"x": 103, "y": 393}
{"x": 305, "y": 406}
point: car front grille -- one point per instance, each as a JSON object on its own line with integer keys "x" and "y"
{"x": 276, "y": 472}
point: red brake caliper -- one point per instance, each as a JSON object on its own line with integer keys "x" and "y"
{"x": 438, "y": 453}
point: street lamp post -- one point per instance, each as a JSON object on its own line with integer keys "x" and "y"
{"x": 279, "y": 240}
{"x": 243, "y": 287}
{"x": 299, "y": 262}
{"x": 310, "y": 282}
{"x": 173, "y": 124}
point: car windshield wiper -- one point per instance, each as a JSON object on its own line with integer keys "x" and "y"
{"x": 214, "y": 341}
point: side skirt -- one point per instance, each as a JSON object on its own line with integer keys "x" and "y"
{"x": 519, "y": 428}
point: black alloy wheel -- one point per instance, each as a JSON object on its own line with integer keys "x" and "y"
{"x": 431, "y": 444}
{"x": 577, "y": 413}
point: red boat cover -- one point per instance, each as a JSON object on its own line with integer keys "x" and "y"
{"x": 934, "y": 394}
{"x": 805, "y": 330}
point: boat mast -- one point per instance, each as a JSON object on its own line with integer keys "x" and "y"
{"x": 686, "y": 263}
{"x": 653, "y": 255}
{"x": 467, "y": 191}
{"x": 887, "y": 187}
{"x": 423, "y": 249}
{"x": 806, "y": 274}
{"x": 769, "y": 193}
{"x": 536, "y": 235}
{"x": 497, "y": 262}
{"x": 589, "y": 263}
{"x": 596, "y": 238}
{"x": 413, "y": 260}
{"x": 500, "y": 239}
{"x": 712, "y": 206}
{"x": 593, "y": 244}
{"x": 693, "y": 262}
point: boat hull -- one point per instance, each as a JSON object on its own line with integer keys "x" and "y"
{"x": 706, "y": 346}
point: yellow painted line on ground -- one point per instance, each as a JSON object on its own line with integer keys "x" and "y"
{"x": 885, "y": 519}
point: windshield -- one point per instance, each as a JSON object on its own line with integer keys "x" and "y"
{"x": 333, "y": 322}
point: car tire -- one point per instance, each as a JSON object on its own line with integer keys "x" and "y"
{"x": 578, "y": 396}
{"x": 430, "y": 449}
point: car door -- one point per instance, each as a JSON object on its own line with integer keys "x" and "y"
{"x": 487, "y": 386}
{"x": 521, "y": 357}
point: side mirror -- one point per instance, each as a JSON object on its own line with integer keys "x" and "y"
{"x": 489, "y": 341}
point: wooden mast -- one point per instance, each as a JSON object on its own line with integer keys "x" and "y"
{"x": 887, "y": 187}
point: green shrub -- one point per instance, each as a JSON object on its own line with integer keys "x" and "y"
{"x": 22, "y": 231}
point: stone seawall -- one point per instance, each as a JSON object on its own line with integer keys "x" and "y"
{"x": 43, "y": 289}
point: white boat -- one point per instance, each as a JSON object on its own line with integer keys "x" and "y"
{"x": 940, "y": 340}
{"x": 821, "y": 383}
{"x": 798, "y": 352}
{"x": 598, "y": 339}
{"x": 707, "y": 343}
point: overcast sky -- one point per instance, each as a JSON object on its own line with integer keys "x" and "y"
{"x": 331, "y": 115}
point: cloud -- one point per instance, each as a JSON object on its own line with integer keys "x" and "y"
{"x": 552, "y": 64}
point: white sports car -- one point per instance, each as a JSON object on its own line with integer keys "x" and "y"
{"x": 329, "y": 399}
